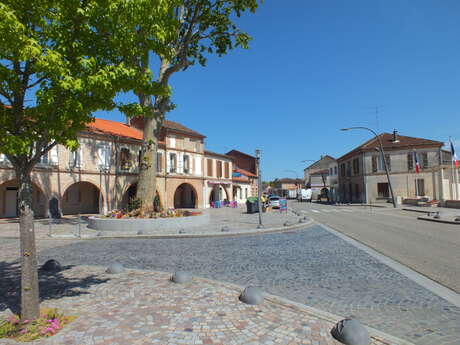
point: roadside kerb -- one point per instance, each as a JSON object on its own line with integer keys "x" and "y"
{"x": 430, "y": 219}
{"x": 375, "y": 334}
{"x": 248, "y": 232}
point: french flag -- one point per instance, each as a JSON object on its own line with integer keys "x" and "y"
{"x": 417, "y": 163}
{"x": 454, "y": 155}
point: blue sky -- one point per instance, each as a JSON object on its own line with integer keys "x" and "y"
{"x": 316, "y": 66}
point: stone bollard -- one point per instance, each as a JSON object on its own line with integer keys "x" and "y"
{"x": 286, "y": 224}
{"x": 225, "y": 228}
{"x": 140, "y": 232}
{"x": 437, "y": 216}
{"x": 115, "y": 268}
{"x": 182, "y": 231}
{"x": 350, "y": 332}
{"x": 51, "y": 266}
{"x": 252, "y": 295}
{"x": 457, "y": 219}
{"x": 181, "y": 277}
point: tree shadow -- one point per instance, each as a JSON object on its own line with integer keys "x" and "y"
{"x": 53, "y": 285}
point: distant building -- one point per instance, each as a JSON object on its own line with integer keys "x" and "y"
{"x": 246, "y": 165}
{"x": 362, "y": 176}
{"x": 316, "y": 176}
{"x": 284, "y": 185}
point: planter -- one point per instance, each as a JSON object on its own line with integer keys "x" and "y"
{"x": 146, "y": 224}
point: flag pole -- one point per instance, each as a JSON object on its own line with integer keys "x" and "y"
{"x": 416, "y": 184}
{"x": 453, "y": 184}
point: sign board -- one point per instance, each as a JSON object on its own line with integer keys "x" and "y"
{"x": 283, "y": 205}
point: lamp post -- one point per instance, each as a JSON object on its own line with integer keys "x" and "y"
{"x": 382, "y": 153}
{"x": 259, "y": 187}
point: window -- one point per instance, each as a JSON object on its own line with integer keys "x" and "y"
{"x": 172, "y": 163}
{"x": 219, "y": 169}
{"x": 424, "y": 160}
{"x": 246, "y": 193}
{"x": 125, "y": 159}
{"x": 209, "y": 167}
{"x": 348, "y": 168}
{"x": 342, "y": 169}
{"x": 410, "y": 161}
{"x": 227, "y": 170}
{"x": 159, "y": 162}
{"x": 374, "y": 163}
{"x": 103, "y": 156}
{"x": 186, "y": 164}
{"x": 419, "y": 187}
{"x": 330, "y": 171}
{"x": 172, "y": 142}
{"x": 75, "y": 159}
{"x": 388, "y": 161}
{"x": 356, "y": 166}
{"x": 382, "y": 190}
{"x": 335, "y": 170}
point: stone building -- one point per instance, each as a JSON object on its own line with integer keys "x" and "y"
{"x": 103, "y": 173}
{"x": 247, "y": 166}
{"x": 316, "y": 176}
{"x": 362, "y": 176}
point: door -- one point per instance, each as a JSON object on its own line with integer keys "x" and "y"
{"x": 11, "y": 203}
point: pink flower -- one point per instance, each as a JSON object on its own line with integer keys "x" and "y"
{"x": 23, "y": 331}
{"x": 25, "y": 321}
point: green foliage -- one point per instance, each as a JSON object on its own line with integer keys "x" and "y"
{"x": 48, "y": 324}
{"x": 134, "y": 204}
{"x": 71, "y": 58}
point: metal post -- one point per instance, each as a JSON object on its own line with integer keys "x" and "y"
{"x": 79, "y": 225}
{"x": 259, "y": 186}
{"x": 382, "y": 153}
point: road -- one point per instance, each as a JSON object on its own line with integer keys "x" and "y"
{"x": 432, "y": 249}
{"x": 310, "y": 266}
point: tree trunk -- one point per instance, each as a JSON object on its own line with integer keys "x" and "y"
{"x": 146, "y": 187}
{"x": 29, "y": 273}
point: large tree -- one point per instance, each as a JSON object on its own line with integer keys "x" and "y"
{"x": 61, "y": 60}
{"x": 203, "y": 28}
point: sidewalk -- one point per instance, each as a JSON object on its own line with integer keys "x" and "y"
{"x": 236, "y": 221}
{"x": 435, "y": 214}
{"x": 144, "y": 307}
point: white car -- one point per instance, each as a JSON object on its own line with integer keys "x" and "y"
{"x": 274, "y": 201}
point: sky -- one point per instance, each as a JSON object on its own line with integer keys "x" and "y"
{"x": 314, "y": 67}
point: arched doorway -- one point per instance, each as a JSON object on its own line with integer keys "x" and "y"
{"x": 81, "y": 198}
{"x": 9, "y": 203}
{"x": 218, "y": 193}
{"x": 185, "y": 196}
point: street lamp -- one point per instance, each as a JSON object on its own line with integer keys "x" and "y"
{"x": 382, "y": 153}
{"x": 259, "y": 187}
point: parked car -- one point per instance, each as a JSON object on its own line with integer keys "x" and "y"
{"x": 274, "y": 201}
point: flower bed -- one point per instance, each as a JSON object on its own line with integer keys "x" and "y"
{"x": 48, "y": 324}
{"x": 140, "y": 213}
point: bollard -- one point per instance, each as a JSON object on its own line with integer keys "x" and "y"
{"x": 79, "y": 225}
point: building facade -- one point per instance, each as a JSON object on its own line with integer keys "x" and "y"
{"x": 316, "y": 176}
{"x": 103, "y": 173}
{"x": 362, "y": 176}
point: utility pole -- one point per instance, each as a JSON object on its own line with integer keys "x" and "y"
{"x": 259, "y": 187}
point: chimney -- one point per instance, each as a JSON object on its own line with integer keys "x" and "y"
{"x": 395, "y": 136}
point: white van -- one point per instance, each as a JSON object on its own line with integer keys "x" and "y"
{"x": 305, "y": 195}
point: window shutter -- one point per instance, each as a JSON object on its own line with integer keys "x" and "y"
{"x": 198, "y": 165}
{"x": 54, "y": 160}
{"x": 180, "y": 162}
{"x": 80, "y": 157}
{"x": 168, "y": 163}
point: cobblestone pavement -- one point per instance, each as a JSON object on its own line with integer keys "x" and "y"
{"x": 309, "y": 266}
{"x": 235, "y": 218}
{"x": 140, "y": 307}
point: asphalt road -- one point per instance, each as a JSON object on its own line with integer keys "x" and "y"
{"x": 432, "y": 249}
{"x": 310, "y": 266}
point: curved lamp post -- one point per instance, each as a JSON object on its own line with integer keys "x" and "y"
{"x": 259, "y": 186}
{"x": 382, "y": 153}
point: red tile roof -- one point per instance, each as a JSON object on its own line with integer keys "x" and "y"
{"x": 404, "y": 142}
{"x": 245, "y": 172}
{"x": 119, "y": 129}
{"x": 181, "y": 128}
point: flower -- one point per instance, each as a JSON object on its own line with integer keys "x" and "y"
{"x": 25, "y": 321}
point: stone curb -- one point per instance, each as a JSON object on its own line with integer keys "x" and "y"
{"x": 419, "y": 211}
{"x": 238, "y": 233}
{"x": 429, "y": 219}
{"x": 320, "y": 314}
